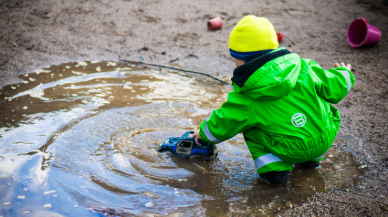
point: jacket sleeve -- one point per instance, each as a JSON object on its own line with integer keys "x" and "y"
{"x": 232, "y": 118}
{"x": 332, "y": 84}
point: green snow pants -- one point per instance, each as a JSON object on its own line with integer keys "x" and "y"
{"x": 280, "y": 153}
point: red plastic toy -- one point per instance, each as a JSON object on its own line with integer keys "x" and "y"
{"x": 214, "y": 23}
{"x": 280, "y": 36}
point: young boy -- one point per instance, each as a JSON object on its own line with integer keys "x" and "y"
{"x": 280, "y": 102}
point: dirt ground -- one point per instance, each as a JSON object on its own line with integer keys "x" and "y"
{"x": 36, "y": 33}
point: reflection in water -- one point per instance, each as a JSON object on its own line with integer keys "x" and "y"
{"x": 81, "y": 139}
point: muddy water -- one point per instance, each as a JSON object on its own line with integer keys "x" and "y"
{"x": 80, "y": 139}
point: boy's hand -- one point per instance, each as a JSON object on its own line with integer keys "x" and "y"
{"x": 196, "y": 136}
{"x": 348, "y": 66}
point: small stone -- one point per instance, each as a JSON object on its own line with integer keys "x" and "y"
{"x": 149, "y": 204}
{"x": 25, "y": 107}
{"x": 151, "y": 195}
{"x": 289, "y": 204}
{"x": 49, "y": 192}
{"x": 22, "y": 197}
{"x": 347, "y": 190}
{"x": 47, "y": 206}
{"x": 312, "y": 188}
{"x": 363, "y": 166}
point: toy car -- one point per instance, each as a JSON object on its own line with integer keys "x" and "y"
{"x": 185, "y": 146}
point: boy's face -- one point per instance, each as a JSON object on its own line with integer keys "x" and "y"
{"x": 239, "y": 62}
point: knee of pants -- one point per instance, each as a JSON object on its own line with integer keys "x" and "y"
{"x": 266, "y": 161}
{"x": 270, "y": 162}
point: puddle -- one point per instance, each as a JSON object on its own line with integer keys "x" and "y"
{"x": 81, "y": 139}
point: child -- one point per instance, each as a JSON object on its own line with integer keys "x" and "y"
{"x": 280, "y": 102}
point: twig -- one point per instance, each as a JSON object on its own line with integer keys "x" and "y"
{"x": 173, "y": 68}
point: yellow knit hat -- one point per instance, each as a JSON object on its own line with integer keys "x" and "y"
{"x": 252, "y": 34}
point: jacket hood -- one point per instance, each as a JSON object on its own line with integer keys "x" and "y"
{"x": 268, "y": 77}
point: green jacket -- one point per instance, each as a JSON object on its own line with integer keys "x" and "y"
{"x": 279, "y": 95}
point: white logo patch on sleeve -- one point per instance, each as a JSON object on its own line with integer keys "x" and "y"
{"x": 298, "y": 120}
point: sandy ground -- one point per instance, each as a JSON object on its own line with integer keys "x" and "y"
{"x": 36, "y": 33}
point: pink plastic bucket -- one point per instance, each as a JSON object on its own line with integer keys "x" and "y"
{"x": 214, "y": 23}
{"x": 361, "y": 33}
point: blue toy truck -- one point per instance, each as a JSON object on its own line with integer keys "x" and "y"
{"x": 185, "y": 146}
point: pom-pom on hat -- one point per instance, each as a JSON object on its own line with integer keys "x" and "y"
{"x": 252, "y": 37}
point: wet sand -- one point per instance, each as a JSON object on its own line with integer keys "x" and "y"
{"x": 39, "y": 33}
